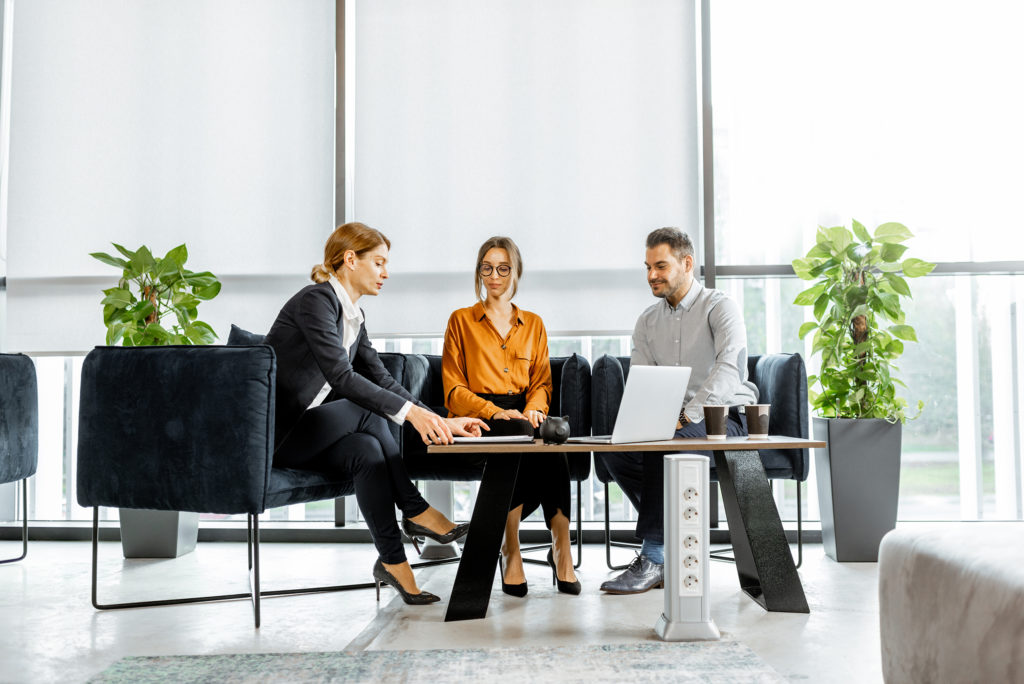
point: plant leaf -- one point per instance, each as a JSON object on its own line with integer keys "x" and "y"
{"x": 892, "y": 232}
{"x": 810, "y": 295}
{"x": 127, "y": 252}
{"x": 904, "y": 332}
{"x": 915, "y": 268}
{"x": 208, "y": 292}
{"x": 840, "y": 238}
{"x": 892, "y": 252}
{"x": 806, "y": 328}
{"x": 109, "y": 260}
{"x": 861, "y": 232}
{"x": 898, "y": 284}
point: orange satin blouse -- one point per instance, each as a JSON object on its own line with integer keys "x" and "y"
{"x": 477, "y": 360}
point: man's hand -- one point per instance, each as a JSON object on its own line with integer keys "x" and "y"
{"x": 432, "y": 428}
{"x": 535, "y": 418}
{"x": 466, "y": 427}
{"x": 508, "y": 414}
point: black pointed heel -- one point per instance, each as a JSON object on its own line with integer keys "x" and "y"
{"x": 414, "y": 530}
{"x": 517, "y": 590}
{"x": 382, "y": 576}
{"x": 573, "y": 588}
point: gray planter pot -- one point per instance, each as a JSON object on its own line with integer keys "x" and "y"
{"x": 157, "y": 534}
{"x": 858, "y": 484}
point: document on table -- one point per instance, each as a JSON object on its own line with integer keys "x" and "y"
{"x": 506, "y": 438}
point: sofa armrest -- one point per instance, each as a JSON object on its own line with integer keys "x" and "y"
{"x": 19, "y": 418}
{"x": 177, "y": 428}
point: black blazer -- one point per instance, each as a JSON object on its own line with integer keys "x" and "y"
{"x": 307, "y": 340}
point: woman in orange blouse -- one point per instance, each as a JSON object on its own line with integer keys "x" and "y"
{"x": 496, "y": 368}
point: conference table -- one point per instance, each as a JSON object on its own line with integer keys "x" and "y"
{"x": 764, "y": 563}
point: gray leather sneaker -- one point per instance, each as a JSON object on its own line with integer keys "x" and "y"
{"x": 641, "y": 575}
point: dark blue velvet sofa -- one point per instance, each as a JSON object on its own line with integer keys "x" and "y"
{"x": 19, "y": 430}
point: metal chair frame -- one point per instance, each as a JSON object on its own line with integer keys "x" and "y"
{"x": 24, "y": 524}
{"x": 255, "y": 592}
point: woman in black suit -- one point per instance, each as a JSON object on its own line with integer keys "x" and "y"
{"x": 323, "y": 352}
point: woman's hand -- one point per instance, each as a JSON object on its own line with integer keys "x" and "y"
{"x": 535, "y": 418}
{"x": 432, "y": 428}
{"x": 466, "y": 427}
{"x": 508, "y": 414}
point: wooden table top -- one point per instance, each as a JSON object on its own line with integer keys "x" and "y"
{"x": 671, "y": 445}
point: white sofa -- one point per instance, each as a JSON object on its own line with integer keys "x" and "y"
{"x": 951, "y": 600}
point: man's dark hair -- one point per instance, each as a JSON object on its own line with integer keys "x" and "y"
{"x": 678, "y": 241}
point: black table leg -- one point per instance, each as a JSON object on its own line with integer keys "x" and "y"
{"x": 475, "y": 577}
{"x": 764, "y": 562}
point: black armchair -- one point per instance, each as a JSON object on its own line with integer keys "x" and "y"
{"x": 189, "y": 429}
{"x": 19, "y": 430}
{"x": 781, "y": 380}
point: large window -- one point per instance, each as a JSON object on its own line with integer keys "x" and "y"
{"x": 571, "y": 126}
{"x": 879, "y": 111}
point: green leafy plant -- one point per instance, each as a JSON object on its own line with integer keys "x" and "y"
{"x": 164, "y": 288}
{"x": 859, "y": 325}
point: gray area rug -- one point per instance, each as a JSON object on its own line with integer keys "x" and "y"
{"x": 721, "y": 661}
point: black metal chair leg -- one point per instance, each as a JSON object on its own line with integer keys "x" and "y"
{"x": 799, "y": 528}
{"x": 608, "y": 543}
{"x": 254, "y": 565}
{"x": 24, "y": 524}
{"x": 255, "y": 594}
{"x": 579, "y": 525}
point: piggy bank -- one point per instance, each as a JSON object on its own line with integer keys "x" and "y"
{"x": 555, "y": 430}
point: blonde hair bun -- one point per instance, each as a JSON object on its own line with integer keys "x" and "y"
{"x": 320, "y": 274}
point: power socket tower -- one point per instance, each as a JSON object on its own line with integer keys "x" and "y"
{"x": 687, "y": 615}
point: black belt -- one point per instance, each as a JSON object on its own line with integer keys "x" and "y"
{"x": 506, "y": 401}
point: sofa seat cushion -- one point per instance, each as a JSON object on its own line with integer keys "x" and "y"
{"x": 951, "y": 603}
{"x": 291, "y": 486}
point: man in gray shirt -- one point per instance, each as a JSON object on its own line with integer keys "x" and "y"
{"x": 691, "y": 326}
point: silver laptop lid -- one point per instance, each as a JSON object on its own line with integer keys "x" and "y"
{"x": 650, "y": 404}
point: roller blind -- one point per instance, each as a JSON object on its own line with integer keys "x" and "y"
{"x": 569, "y": 126}
{"x": 154, "y": 122}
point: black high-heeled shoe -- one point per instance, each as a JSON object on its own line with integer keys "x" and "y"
{"x": 415, "y": 530}
{"x": 573, "y": 588}
{"x": 381, "y": 574}
{"x": 517, "y": 590}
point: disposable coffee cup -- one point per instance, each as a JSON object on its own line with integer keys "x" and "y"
{"x": 714, "y": 421}
{"x": 757, "y": 420}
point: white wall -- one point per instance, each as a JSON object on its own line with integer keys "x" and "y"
{"x": 154, "y": 122}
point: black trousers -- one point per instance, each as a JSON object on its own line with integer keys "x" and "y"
{"x": 641, "y": 475}
{"x": 346, "y": 441}
{"x": 543, "y": 479}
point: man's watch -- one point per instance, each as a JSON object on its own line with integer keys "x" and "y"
{"x": 683, "y": 419}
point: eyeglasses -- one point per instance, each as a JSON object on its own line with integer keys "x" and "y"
{"x": 486, "y": 269}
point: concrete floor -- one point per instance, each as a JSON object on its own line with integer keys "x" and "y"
{"x": 49, "y": 631}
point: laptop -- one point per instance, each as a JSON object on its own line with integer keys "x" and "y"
{"x": 650, "y": 406}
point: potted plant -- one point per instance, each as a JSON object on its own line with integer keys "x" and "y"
{"x": 155, "y": 302}
{"x": 859, "y": 331}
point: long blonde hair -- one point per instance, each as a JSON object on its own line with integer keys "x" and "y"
{"x": 515, "y": 261}
{"x": 355, "y": 236}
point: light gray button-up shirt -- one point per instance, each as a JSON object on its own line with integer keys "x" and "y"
{"x": 705, "y": 331}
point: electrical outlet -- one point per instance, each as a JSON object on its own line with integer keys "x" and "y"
{"x": 690, "y": 494}
{"x": 690, "y": 541}
{"x": 691, "y": 562}
{"x": 691, "y": 582}
{"x": 690, "y": 514}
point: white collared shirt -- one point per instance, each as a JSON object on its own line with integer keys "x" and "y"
{"x": 353, "y": 319}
